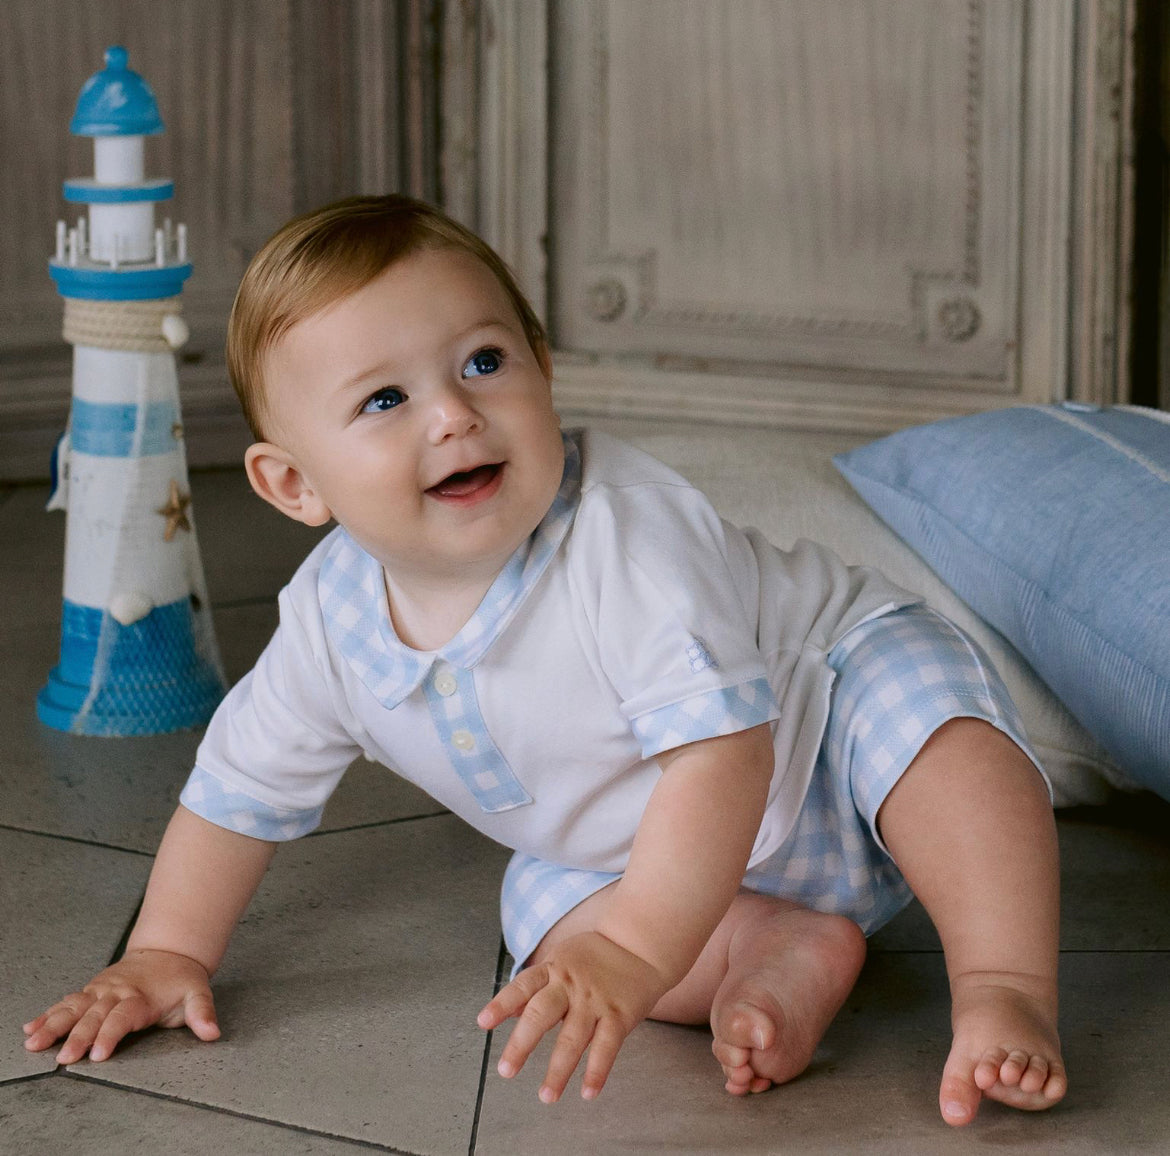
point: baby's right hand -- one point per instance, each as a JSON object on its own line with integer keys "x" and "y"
{"x": 143, "y": 988}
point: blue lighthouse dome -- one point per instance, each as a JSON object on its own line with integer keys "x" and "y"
{"x": 116, "y": 102}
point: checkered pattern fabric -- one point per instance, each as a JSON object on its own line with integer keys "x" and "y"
{"x": 217, "y": 803}
{"x": 353, "y": 601}
{"x": 476, "y": 758}
{"x": 353, "y": 606}
{"x": 718, "y": 712}
{"x": 899, "y": 678}
{"x": 535, "y": 894}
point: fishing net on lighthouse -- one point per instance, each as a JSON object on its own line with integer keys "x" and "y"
{"x": 138, "y": 652}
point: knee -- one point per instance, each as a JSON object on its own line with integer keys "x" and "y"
{"x": 975, "y": 740}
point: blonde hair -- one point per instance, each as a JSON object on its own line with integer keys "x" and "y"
{"x": 324, "y": 255}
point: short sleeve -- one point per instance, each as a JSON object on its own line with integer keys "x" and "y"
{"x": 673, "y": 599}
{"x": 275, "y": 749}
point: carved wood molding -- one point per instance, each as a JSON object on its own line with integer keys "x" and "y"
{"x": 495, "y": 120}
{"x": 1072, "y": 265}
{"x": 817, "y": 403}
{"x": 1102, "y": 209}
{"x": 939, "y": 301}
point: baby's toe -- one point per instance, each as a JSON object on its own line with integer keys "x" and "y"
{"x": 1057, "y": 1083}
{"x": 1034, "y": 1075}
{"x": 754, "y": 1085}
{"x": 1013, "y": 1067}
{"x": 987, "y": 1070}
{"x": 744, "y": 1025}
{"x": 741, "y": 1075}
{"x": 729, "y": 1055}
{"x": 958, "y": 1096}
{"x": 739, "y": 1080}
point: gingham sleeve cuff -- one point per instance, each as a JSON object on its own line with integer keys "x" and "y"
{"x": 220, "y": 804}
{"x": 706, "y": 716}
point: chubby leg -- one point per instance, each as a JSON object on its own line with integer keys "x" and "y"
{"x": 770, "y": 980}
{"x": 970, "y": 826}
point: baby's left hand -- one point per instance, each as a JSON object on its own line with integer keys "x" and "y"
{"x": 600, "y": 990}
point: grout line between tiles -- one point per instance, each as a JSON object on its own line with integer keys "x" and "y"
{"x": 28, "y": 1079}
{"x": 250, "y": 600}
{"x": 151, "y": 854}
{"x": 353, "y": 1141}
{"x": 487, "y": 1052}
{"x": 121, "y": 945}
{"x": 377, "y": 823}
{"x": 76, "y": 839}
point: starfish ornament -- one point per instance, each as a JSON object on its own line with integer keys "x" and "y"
{"x": 175, "y": 512}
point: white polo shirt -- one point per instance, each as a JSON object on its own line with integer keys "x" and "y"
{"x": 634, "y": 620}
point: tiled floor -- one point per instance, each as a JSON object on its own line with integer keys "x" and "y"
{"x": 349, "y": 995}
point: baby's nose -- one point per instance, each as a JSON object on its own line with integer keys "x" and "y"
{"x": 454, "y": 416}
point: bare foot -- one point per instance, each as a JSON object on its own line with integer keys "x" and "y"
{"x": 788, "y": 974}
{"x": 1005, "y": 1046}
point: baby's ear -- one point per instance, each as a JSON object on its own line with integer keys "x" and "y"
{"x": 544, "y": 359}
{"x": 277, "y": 478}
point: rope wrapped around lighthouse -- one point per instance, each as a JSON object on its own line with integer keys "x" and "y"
{"x": 138, "y": 652}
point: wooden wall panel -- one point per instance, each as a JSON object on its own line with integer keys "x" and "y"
{"x": 221, "y": 73}
{"x": 856, "y": 215}
{"x": 789, "y": 184}
{"x": 271, "y": 107}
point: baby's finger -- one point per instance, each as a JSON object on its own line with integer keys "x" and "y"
{"x": 38, "y": 1035}
{"x": 543, "y": 1012}
{"x": 199, "y": 1012}
{"x": 607, "y": 1042}
{"x": 572, "y": 1040}
{"x": 57, "y": 1021}
{"x": 85, "y": 1031}
{"x": 131, "y": 1015}
{"x": 510, "y": 1000}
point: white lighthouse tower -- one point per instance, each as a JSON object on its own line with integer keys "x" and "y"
{"x": 138, "y": 653}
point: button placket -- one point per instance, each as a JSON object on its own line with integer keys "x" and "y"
{"x": 454, "y": 707}
{"x": 351, "y": 589}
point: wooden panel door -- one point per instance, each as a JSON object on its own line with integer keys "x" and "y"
{"x": 804, "y": 184}
{"x": 853, "y": 215}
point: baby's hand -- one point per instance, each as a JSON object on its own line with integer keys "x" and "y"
{"x": 600, "y": 990}
{"x": 141, "y": 989}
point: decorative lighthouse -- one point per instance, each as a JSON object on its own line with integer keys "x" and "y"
{"x": 138, "y": 653}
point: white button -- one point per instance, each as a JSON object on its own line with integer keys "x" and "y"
{"x": 463, "y": 740}
{"x": 445, "y": 683}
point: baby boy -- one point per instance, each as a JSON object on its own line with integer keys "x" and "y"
{"x": 721, "y": 765}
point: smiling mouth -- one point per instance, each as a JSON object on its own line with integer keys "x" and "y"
{"x": 467, "y": 483}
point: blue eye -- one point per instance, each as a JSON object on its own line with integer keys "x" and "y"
{"x": 383, "y": 400}
{"x": 484, "y": 362}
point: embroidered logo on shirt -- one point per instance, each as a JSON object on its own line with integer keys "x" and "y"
{"x": 700, "y": 657}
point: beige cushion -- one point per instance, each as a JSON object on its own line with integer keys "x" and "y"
{"x": 785, "y": 483}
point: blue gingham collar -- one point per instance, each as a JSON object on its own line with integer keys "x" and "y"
{"x": 353, "y": 601}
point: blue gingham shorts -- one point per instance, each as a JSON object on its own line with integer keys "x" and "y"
{"x": 899, "y": 678}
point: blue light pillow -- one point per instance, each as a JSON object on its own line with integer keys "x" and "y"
{"x": 1053, "y": 524}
